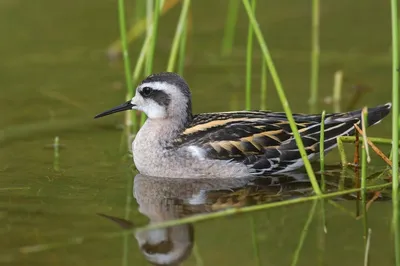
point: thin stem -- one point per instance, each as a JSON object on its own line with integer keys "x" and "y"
{"x": 352, "y": 139}
{"x": 322, "y": 166}
{"x": 342, "y": 152}
{"x": 314, "y": 55}
{"x": 364, "y": 156}
{"x": 124, "y": 42}
{"x": 153, "y": 33}
{"x": 230, "y": 26}
{"x": 254, "y": 240}
{"x": 321, "y": 143}
{"x": 127, "y": 66}
{"x": 182, "y": 49}
{"x": 249, "y": 59}
{"x": 337, "y": 90}
{"x": 149, "y": 30}
{"x": 178, "y": 33}
{"x": 282, "y": 97}
{"x": 304, "y": 233}
{"x": 395, "y": 128}
{"x": 263, "y": 96}
{"x": 368, "y": 244}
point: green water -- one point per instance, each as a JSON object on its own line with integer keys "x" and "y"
{"x": 55, "y": 76}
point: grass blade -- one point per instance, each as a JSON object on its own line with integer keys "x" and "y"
{"x": 395, "y": 128}
{"x": 314, "y": 55}
{"x": 249, "y": 59}
{"x": 182, "y": 49}
{"x": 178, "y": 34}
{"x": 364, "y": 161}
{"x": 337, "y": 90}
{"x": 304, "y": 233}
{"x": 263, "y": 93}
{"x": 230, "y": 25}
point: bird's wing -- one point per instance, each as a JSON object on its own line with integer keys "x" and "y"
{"x": 259, "y": 139}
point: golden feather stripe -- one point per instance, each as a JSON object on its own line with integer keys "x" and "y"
{"x": 215, "y": 123}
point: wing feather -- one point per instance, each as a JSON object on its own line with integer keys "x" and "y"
{"x": 260, "y": 139}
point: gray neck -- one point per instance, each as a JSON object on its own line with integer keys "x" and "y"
{"x": 163, "y": 131}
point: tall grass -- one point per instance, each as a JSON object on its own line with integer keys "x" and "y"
{"x": 178, "y": 35}
{"x": 395, "y": 128}
{"x": 263, "y": 91}
{"x": 314, "y": 55}
{"x": 337, "y": 90}
{"x": 304, "y": 233}
{"x": 124, "y": 43}
{"x": 182, "y": 48}
{"x": 230, "y": 25}
{"x": 364, "y": 161}
{"x": 282, "y": 96}
{"x": 249, "y": 59}
{"x": 152, "y": 27}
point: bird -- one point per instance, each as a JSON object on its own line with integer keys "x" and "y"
{"x": 174, "y": 142}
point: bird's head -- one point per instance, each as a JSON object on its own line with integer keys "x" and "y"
{"x": 160, "y": 96}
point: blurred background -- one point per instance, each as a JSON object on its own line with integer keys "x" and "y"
{"x": 57, "y": 71}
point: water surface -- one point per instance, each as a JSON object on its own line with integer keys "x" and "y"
{"x": 55, "y": 76}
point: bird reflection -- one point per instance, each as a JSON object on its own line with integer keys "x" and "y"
{"x": 162, "y": 199}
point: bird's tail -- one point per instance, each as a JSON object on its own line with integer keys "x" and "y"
{"x": 375, "y": 115}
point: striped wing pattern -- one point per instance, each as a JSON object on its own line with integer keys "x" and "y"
{"x": 262, "y": 140}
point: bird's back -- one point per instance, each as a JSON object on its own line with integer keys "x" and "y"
{"x": 263, "y": 141}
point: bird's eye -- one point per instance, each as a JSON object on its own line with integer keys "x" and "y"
{"x": 147, "y": 91}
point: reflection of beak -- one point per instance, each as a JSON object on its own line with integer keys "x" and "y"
{"x": 123, "y": 107}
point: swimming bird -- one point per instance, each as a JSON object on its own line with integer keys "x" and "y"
{"x": 175, "y": 143}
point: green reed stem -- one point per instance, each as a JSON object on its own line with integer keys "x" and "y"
{"x": 249, "y": 59}
{"x": 56, "y": 147}
{"x": 351, "y": 139}
{"x": 149, "y": 29}
{"x": 314, "y": 55}
{"x": 153, "y": 33}
{"x": 263, "y": 93}
{"x": 282, "y": 96}
{"x": 230, "y": 26}
{"x": 395, "y": 128}
{"x": 153, "y": 14}
{"x": 364, "y": 155}
{"x": 233, "y": 211}
{"x": 367, "y": 246}
{"x": 322, "y": 166}
{"x": 182, "y": 49}
{"x": 254, "y": 240}
{"x": 124, "y": 42}
{"x": 321, "y": 144}
{"x": 342, "y": 152}
{"x": 178, "y": 35}
{"x": 304, "y": 233}
{"x": 337, "y": 90}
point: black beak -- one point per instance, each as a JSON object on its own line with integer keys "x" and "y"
{"x": 123, "y": 107}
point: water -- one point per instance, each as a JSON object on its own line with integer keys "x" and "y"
{"x": 55, "y": 76}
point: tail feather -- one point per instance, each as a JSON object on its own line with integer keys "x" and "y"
{"x": 375, "y": 115}
{"x": 335, "y": 125}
